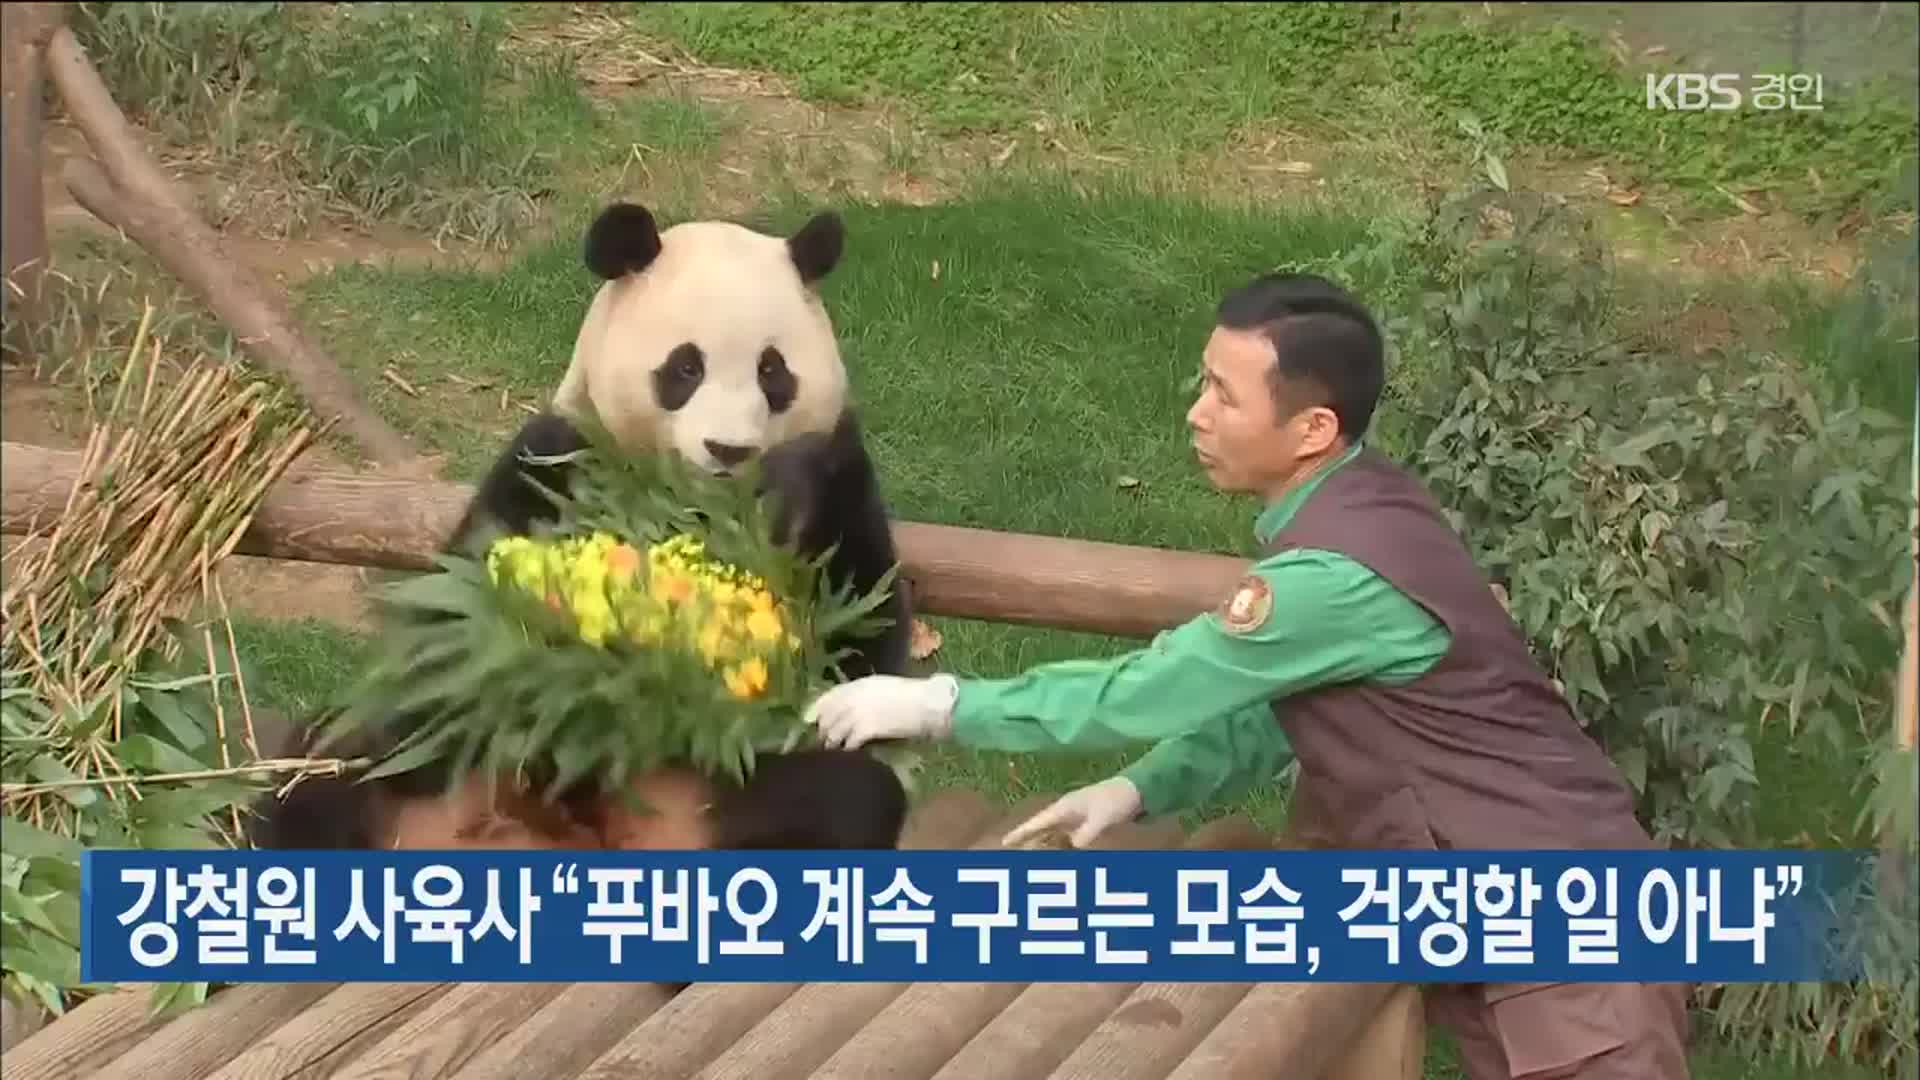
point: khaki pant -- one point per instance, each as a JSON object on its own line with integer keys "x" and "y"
{"x": 1514, "y": 1031}
{"x": 1566, "y": 1031}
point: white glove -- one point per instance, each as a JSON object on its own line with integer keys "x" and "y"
{"x": 884, "y": 707}
{"x": 1084, "y": 814}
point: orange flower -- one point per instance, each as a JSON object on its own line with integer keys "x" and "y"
{"x": 622, "y": 561}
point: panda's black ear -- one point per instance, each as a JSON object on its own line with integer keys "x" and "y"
{"x": 622, "y": 240}
{"x": 817, "y": 246}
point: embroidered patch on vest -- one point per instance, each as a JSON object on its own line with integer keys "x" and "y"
{"x": 1248, "y": 607}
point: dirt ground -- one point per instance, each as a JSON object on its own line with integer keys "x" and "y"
{"x": 870, "y": 152}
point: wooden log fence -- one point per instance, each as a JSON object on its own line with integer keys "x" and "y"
{"x": 335, "y": 516}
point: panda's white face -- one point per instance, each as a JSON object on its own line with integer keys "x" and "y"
{"x": 718, "y": 347}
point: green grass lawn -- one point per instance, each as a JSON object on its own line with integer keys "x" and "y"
{"x": 1153, "y": 81}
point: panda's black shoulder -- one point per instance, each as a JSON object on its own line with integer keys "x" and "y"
{"x": 510, "y": 495}
{"x": 814, "y": 799}
{"x": 318, "y": 811}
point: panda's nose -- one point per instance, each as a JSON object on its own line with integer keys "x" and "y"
{"x": 727, "y": 454}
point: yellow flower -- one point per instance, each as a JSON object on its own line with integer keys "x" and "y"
{"x": 513, "y": 557}
{"x": 672, "y": 594}
{"x": 764, "y": 626}
{"x": 594, "y": 624}
{"x": 530, "y": 575}
{"x": 748, "y": 679}
{"x": 589, "y": 599}
{"x": 712, "y": 642}
{"x": 589, "y": 575}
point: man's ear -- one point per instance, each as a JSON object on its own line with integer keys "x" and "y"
{"x": 1320, "y": 431}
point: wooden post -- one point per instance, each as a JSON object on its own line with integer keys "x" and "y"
{"x": 25, "y": 30}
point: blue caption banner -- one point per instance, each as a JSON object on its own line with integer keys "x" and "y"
{"x": 972, "y": 916}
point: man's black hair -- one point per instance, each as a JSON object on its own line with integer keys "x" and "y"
{"x": 1324, "y": 341}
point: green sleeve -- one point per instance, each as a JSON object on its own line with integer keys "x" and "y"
{"x": 1219, "y": 762}
{"x": 1331, "y": 621}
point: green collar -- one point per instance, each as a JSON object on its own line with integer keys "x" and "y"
{"x": 1276, "y": 514}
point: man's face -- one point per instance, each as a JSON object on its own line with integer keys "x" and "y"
{"x": 1240, "y": 441}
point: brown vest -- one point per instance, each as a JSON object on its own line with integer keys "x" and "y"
{"x": 1481, "y": 751}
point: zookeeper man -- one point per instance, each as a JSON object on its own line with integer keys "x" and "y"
{"x": 1372, "y": 642}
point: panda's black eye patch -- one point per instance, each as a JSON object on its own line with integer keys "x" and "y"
{"x": 776, "y": 380}
{"x": 675, "y": 380}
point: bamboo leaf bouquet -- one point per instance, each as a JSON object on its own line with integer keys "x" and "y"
{"x": 656, "y": 623}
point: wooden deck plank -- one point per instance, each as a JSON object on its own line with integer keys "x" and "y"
{"x": 915, "y": 1035}
{"x": 565, "y": 1037}
{"x": 1046, "y": 1022}
{"x": 690, "y": 1031}
{"x": 1150, "y": 1032}
{"x": 929, "y": 1022}
{"x": 805, "y": 1029}
{"x": 197, "y": 1042}
{"x": 700, "y": 1024}
{"x": 90, "y": 1035}
{"x": 1263, "y": 1035}
{"x": 832, "y": 1031}
{"x": 335, "y": 1028}
{"x": 1036, "y": 1031}
{"x": 442, "y": 1038}
{"x": 1159, "y": 1023}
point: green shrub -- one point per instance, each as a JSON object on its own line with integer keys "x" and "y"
{"x": 1709, "y": 555}
{"x": 176, "y": 67}
{"x": 1700, "y": 550}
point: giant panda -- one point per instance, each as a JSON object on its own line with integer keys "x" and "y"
{"x": 708, "y": 340}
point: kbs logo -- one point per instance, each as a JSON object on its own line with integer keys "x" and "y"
{"x": 1693, "y": 92}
